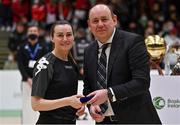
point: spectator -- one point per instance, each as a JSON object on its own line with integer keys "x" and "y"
{"x": 51, "y": 16}
{"x": 38, "y": 11}
{"x": 173, "y": 43}
{"x": 21, "y": 11}
{"x": 81, "y": 43}
{"x": 16, "y": 38}
{"x": 6, "y": 15}
{"x": 66, "y": 10}
{"x": 80, "y": 14}
{"x": 27, "y": 55}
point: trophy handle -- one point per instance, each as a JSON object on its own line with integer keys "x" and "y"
{"x": 155, "y": 65}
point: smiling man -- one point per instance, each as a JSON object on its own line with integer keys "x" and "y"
{"x": 116, "y": 73}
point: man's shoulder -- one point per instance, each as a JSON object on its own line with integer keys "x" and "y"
{"x": 127, "y": 38}
{"x": 23, "y": 46}
{"x": 90, "y": 48}
{"x": 124, "y": 33}
{"x": 91, "y": 44}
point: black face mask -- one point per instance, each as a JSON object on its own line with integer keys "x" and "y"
{"x": 32, "y": 36}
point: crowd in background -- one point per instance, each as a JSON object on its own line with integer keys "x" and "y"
{"x": 145, "y": 17}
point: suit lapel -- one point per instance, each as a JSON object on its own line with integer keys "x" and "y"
{"x": 115, "y": 46}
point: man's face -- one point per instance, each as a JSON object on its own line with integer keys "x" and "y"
{"x": 33, "y": 30}
{"x": 20, "y": 28}
{"x": 101, "y": 22}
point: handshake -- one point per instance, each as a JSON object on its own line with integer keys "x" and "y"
{"x": 95, "y": 99}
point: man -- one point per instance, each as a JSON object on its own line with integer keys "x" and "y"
{"x": 27, "y": 54}
{"x": 16, "y": 39}
{"x": 127, "y": 78}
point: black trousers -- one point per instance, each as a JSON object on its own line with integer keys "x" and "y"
{"x": 52, "y": 120}
{"x": 107, "y": 120}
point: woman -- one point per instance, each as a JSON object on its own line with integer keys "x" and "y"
{"x": 55, "y": 80}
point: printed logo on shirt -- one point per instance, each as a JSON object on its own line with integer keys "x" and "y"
{"x": 42, "y": 64}
{"x": 68, "y": 67}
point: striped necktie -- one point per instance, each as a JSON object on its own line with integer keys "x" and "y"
{"x": 102, "y": 74}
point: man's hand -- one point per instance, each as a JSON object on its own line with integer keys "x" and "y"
{"x": 100, "y": 96}
{"x": 95, "y": 113}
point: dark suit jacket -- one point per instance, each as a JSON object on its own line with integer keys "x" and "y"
{"x": 128, "y": 76}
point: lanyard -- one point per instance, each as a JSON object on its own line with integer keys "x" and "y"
{"x": 33, "y": 54}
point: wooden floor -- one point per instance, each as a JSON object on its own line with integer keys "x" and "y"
{"x": 10, "y": 120}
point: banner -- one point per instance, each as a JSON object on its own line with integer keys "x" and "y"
{"x": 165, "y": 92}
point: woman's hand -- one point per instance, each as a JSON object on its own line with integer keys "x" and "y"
{"x": 74, "y": 101}
{"x": 81, "y": 111}
{"x": 41, "y": 104}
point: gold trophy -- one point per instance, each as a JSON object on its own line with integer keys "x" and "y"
{"x": 156, "y": 48}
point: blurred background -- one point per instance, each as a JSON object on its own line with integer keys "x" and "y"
{"x": 145, "y": 17}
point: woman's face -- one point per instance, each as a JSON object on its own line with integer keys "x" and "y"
{"x": 63, "y": 37}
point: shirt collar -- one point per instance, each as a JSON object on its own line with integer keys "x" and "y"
{"x": 109, "y": 40}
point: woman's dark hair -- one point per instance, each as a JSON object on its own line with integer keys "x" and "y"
{"x": 61, "y": 22}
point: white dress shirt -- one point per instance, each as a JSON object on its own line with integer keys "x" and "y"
{"x": 109, "y": 111}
